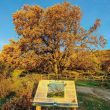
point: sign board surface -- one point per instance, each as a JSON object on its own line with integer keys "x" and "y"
{"x": 61, "y": 93}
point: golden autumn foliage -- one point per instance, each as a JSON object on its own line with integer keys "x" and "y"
{"x": 86, "y": 61}
{"x": 51, "y": 40}
{"x": 49, "y": 37}
{"x": 104, "y": 57}
{"x": 16, "y": 92}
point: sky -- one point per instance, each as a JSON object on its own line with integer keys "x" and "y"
{"x": 91, "y": 10}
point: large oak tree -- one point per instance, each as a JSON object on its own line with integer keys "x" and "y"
{"x": 49, "y": 37}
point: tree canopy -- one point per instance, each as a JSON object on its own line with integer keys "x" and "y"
{"x": 48, "y": 37}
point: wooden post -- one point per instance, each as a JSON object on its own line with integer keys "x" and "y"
{"x": 73, "y": 108}
{"x": 38, "y": 107}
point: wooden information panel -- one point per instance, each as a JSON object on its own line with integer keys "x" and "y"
{"x": 59, "y": 93}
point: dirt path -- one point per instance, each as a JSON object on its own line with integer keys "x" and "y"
{"x": 98, "y": 92}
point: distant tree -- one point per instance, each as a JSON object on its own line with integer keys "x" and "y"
{"x": 106, "y": 66}
{"x": 49, "y": 37}
{"x": 85, "y": 61}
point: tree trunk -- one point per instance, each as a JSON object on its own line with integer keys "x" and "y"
{"x": 56, "y": 68}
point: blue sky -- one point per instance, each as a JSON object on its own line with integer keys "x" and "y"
{"x": 91, "y": 10}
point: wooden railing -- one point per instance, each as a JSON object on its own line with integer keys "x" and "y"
{"x": 76, "y": 76}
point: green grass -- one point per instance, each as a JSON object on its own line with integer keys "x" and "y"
{"x": 89, "y": 102}
{"x": 86, "y": 83}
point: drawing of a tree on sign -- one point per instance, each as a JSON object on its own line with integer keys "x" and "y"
{"x": 55, "y": 90}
